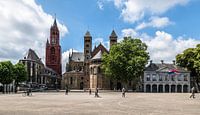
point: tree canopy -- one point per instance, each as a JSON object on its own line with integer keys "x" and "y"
{"x": 126, "y": 60}
{"x": 190, "y": 59}
{"x": 20, "y": 73}
{"x": 6, "y": 72}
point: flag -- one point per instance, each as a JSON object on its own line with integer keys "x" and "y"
{"x": 173, "y": 71}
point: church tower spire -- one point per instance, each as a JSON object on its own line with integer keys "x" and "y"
{"x": 54, "y": 34}
{"x": 87, "y": 45}
{"x": 53, "y": 49}
{"x": 113, "y": 38}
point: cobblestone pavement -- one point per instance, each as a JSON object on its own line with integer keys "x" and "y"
{"x": 110, "y": 103}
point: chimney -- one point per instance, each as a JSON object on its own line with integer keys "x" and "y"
{"x": 174, "y": 62}
{"x": 162, "y": 61}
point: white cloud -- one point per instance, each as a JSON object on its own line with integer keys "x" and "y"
{"x": 24, "y": 25}
{"x": 163, "y": 46}
{"x": 118, "y": 3}
{"x": 129, "y": 32}
{"x": 156, "y": 22}
{"x": 100, "y": 4}
{"x": 99, "y": 40}
{"x": 134, "y": 10}
{"x": 65, "y": 58}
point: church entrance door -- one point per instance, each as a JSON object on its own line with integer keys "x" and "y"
{"x": 81, "y": 85}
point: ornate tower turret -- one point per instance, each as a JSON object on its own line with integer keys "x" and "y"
{"x": 113, "y": 38}
{"x": 53, "y": 50}
{"x": 87, "y": 46}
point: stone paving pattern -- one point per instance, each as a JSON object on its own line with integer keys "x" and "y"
{"x": 110, "y": 103}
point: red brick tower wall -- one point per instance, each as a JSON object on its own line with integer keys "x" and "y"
{"x": 53, "y": 50}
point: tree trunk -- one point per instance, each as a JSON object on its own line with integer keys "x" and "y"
{"x": 3, "y": 88}
{"x": 16, "y": 85}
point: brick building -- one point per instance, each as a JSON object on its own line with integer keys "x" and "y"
{"x": 53, "y": 50}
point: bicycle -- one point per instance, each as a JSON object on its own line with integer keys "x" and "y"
{"x": 26, "y": 93}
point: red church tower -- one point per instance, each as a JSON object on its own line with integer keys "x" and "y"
{"x": 53, "y": 50}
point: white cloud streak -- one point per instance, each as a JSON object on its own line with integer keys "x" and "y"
{"x": 163, "y": 46}
{"x": 135, "y": 10}
{"x": 24, "y": 25}
{"x": 155, "y": 22}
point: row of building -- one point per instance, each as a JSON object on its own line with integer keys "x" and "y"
{"x": 83, "y": 70}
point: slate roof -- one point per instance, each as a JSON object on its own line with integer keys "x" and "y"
{"x": 97, "y": 56}
{"x": 165, "y": 67}
{"x": 32, "y": 55}
{"x": 113, "y": 34}
{"x": 101, "y": 48}
{"x": 77, "y": 56}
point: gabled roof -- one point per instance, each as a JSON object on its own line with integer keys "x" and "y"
{"x": 158, "y": 67}
{"x": 97, "y": 56}
{"x": 77, "y": 56}
{"x": 32, "y": 55}
{"x": 101, "y": 48}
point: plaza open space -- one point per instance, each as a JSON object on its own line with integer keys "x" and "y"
{"x": 109, "y": 103}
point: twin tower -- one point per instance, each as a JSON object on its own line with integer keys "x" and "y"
{"x": 53, "y": 48}
{"x": 88, "y": 44}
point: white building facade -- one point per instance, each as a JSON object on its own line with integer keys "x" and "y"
{"x": 164, "y": 77}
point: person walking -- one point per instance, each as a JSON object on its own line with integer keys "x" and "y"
{"x": 96, "y": 93}
{"x": 66, "y": 90}
{"x": 123, "y": 92}
{"x": 90, "y": 91}
{"x": 193, "y": 93}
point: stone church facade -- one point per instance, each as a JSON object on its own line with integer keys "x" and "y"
{"x": 83, "y": 69}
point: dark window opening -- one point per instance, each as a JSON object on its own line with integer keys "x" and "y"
{"x": 71, "y": 80}
{"x": 52, "y": 50}
{"x": 87, "y": 45}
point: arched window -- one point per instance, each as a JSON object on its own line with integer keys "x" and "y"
{"x": 99, "y": 70}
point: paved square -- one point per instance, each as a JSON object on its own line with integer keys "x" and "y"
{"x": 110, "y": 103}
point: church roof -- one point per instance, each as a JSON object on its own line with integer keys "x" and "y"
{"x": 113, "y": 34}
{"x": 165, "y": 67}
{"x": 97, "y": 56}
{"x": 77, "y": 56}
{"x": 101, "y": 48}
{"x": 54, "y": 26}
{"x": 31, "y": 55}
{"x": 55, "y": 22}
{"x": 87, "y": 34}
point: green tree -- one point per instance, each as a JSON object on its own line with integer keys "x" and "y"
{"x": 6, "y": 72}
{"x": 190, "y": 59}
{"x": 20, "y": 74}
{"x": 126, "y": 60}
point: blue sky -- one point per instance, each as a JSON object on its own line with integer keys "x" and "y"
{"x": 81, "y": 16}
{"x": 166, "y": 26}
